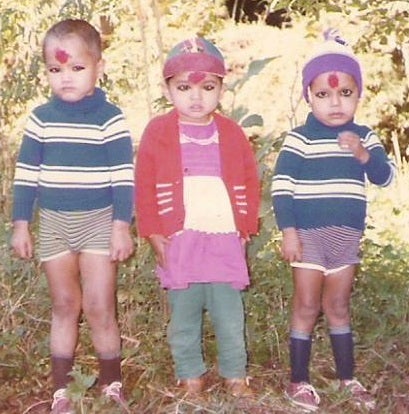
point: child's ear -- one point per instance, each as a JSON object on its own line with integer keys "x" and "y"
{"x": 100, "y": 68}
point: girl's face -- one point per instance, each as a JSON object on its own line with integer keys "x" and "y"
{"x": 72, "y": 69}
{"x": 195, "y": 95}
{"x": 334, "y": 98}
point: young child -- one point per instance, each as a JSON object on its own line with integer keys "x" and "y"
{"x": 76, "y": 162}
{"x": 319, "y": 201}
{"x": 197, "y": 192}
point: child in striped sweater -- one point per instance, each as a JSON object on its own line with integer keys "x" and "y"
{"x": 319, "y": 201}
{"x": 76, "y": 163}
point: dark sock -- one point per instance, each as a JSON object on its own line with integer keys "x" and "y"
{"x": 60, "y": 369}
{"x": 343, "y": 350}
{"x": 300, "y": 352}
{"x": 109, "y": 370}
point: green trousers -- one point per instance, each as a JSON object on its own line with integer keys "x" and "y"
{"x": 225, "y": 307}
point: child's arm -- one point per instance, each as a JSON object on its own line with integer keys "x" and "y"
{"x": 291, "y": 249}
{"x": 252, "y": 187}
{"x": 27, "y": 171}
{"x": 158, "y": 243}
{"x": 350, "y": 141}
{"x": 370, "y": 152}
{"x": 286, "y": 174}
{"x": 21, "y": 239}
{"x": 148, "y": 220}
{"x": 121, "y": 241}
{"x": 119, "y": 154}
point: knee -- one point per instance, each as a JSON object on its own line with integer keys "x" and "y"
{"x": 66, "y": 306}
{"x": 337, "y": 309}
{"x": 100, "y": 313}
{"x": 306, "y": 309}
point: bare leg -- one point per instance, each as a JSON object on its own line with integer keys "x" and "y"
{"x": 306, "y": 307}
{"x": 336, "y": 296}
{"x": 65, "y": 290}
{"x": 336, "y": 305}
{"x": 99, "y": 276}
{"x": 308, "y": 284}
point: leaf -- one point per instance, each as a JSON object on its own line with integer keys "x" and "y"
{"x": 256, "y": 66}
{"x": 252, "y": 120}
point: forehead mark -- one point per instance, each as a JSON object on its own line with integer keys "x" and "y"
{"x": 61, "y": 55}
{"x": 333, "y": 80}
{"x": 196, "y": 77}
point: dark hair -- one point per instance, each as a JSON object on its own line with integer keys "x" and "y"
{"x": 80, "y": 28}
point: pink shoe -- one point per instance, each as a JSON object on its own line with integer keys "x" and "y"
{"x": 114, "y": 392}
{"x": 303, "y": 395}
{"x": 359, "y": 394}
{"x": 61, "y": 403}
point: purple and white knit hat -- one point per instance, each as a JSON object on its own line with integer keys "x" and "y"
{"x": 194, "y": 55}
{"x": 333, "y": 55}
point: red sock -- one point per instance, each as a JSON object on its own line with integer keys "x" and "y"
{"x": 60, "y": 369}
{"x": 109, "y": 370}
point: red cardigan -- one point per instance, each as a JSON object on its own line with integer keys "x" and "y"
{"x": 159, "y": 177}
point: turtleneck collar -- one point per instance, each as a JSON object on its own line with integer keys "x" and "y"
{"x": 314, "y": 124}
{"x": 87, "y": 104}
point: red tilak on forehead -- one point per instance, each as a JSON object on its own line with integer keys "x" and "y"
{"x": 196, "y": 77}
{"x": 333, "y": 80}
{"x": 61, "y": 55}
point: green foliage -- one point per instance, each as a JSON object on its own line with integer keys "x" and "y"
{"x": 204, "y": 20}
{"x": 240, "y": 113}
{"x": 80, "y": 384}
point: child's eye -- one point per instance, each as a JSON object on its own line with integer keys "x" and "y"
{"x": 54, "y": 70}
{"x": 321, "y": 94}
{"x": 77, "y": 68}
{"x": 346, "y": 92}
{"x": 183, "y": 87}
{"x": 208, "y": 87}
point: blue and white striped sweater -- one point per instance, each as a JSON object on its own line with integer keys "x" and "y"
{"x": 75, "y": 156}
{"x": 316, "y": 183}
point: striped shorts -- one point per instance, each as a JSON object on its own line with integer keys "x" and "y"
{"x": 329, "y": 249}
{"x": 62, "y": 232}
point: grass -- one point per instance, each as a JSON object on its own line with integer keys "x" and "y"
{"x": 380, "y": 319}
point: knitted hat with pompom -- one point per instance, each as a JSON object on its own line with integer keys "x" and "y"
{"x": 333, "y": 55}
{"x": 194, "y": 55}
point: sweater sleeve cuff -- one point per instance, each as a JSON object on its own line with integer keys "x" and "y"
{"x": 22, "y": 212}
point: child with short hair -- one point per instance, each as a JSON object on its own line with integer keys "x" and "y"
{"x": 319, "y": 201}
{"x": 197, "y": 198}
{"x": 76, "y": 162}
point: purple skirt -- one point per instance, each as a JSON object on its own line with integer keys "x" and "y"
{"x": 198, "y": 257}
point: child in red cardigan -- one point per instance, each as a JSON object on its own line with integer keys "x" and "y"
{"x": 197, "y": 203}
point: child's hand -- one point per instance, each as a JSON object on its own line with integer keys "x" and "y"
{"x": 290, "y": 246}
{"x": 21, "y": 240}
{"x": 159, "y": 242}
{"x": 350, "y": 141}
{"x": 121, "y": 241}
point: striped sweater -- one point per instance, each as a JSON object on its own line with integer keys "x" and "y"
{"x": 316, "y": 183}
{"x": 75, "y": 157}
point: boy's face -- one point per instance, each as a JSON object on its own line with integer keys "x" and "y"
{"x": 195, "y": 95}
{"x": 334, "y": 98}
{"x": 72, "y": 69}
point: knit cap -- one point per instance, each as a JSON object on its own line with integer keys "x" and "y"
{"x": 194, "y": 55}
{"x": 334, "y": 55}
